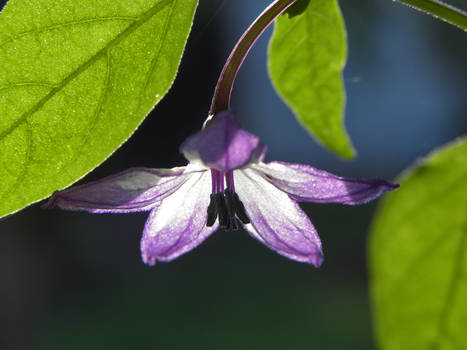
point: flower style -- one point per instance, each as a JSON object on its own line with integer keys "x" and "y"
{"x": 226, "y": 182}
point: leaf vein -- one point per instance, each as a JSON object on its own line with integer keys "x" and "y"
{"x": 285, "y": 35}
{"x": 287, "y": 60}
{"x": 156, "y": 58}
{"x": 97, "y": 111}
{"x": 130, "y": 29}
{"x": 27, "y": 83}
{"x": 67, "y": 24}
{"x": 27, "y": 157}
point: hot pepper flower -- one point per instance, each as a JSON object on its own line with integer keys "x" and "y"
{"x": 226, "y": 183}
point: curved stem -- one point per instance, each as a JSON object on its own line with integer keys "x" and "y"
{"x": 440, "y": 10}
{"x": 221, "y": 98}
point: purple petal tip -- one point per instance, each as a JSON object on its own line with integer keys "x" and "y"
{"x": 387, "y": 186}
{"x": 51, "y": 202}
{"x": 317, "y": 260}
{"x": 149, "y": 260}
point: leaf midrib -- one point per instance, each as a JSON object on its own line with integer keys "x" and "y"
{"x": 129, "y": 30}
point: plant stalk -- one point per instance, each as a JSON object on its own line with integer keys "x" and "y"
{"x": 440, "y": 10}
{"x": 222, "y": 93}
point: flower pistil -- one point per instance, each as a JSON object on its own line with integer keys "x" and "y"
{"x": 225, "y": 203}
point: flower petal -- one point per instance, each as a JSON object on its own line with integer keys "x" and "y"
{"x": 179, "y": 223}
{"x": 136, "y": 189}
{"x": 305, "y": 183}
{"x": 276, "y": 220}
{"x": 223, "y": 145}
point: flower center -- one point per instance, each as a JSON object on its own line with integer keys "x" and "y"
{"x": 225, "y": 203}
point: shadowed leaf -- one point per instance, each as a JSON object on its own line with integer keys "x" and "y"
{"x": 297, "y": 8}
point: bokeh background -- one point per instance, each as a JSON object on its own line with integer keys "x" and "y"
{"x": 75, "y": 280}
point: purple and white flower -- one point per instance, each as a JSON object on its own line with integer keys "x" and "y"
{"x": 224, "y": 184}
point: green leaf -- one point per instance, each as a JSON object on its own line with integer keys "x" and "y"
{"x": 418, "y": 257}
{"x": 307, "y": 54}
{"x": 76, "y": 80}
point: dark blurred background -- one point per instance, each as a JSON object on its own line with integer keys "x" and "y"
{"x": 75, "y": 280}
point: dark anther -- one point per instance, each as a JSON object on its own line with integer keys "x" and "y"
{"x": 233, "y": 225}
{"x": 240, "y": 211}
{"x": 230, "y": 201}
{"x": 212, "y": 211}
{"x": 235, "y": 205}
{"x": 226, "y": 206}
{"x": 218, "y": 208}
{"x": 224, "y": 217}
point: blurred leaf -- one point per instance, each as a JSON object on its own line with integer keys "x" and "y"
{"x": 307, "y": 54}
{"x": 76, "y": 80}
{"x": 418, "y": 257}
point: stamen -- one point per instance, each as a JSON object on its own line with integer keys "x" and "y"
{"x": 224, "y": 217}
{"x": 220, "y": 182}
{"x": 229, "y": 180}
{"x": 225, "y": 204}
{"x": 235, "y": 206}
{"x": 212, "y": 211}
{"x": 230, "y": 201}
{"x": 240, "y": 211}
{"x": 216, "y": 178}
{"x": 233, "y": 225}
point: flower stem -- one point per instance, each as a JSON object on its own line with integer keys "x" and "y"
{"x": 440, "y": 10}
{"x": 221, "y": 98}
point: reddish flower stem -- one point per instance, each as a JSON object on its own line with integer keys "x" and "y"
{"x": 221, "y": 98}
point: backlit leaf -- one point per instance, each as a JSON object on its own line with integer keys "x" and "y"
{"x": 76, "y": 80}
{"x": 307, "y": 54}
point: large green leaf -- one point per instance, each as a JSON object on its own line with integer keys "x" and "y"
{"x": 418, "y": 257}
{"x": 307, "y": 54}
{"x": 76, "y": 79}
